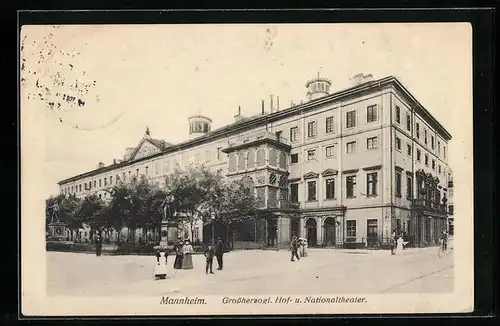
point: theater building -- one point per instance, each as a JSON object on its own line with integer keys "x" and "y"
{"x": 342, "y": 169}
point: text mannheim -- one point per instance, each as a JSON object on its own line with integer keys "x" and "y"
{"x": 342, "y": 169}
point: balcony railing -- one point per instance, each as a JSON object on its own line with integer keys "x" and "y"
{"x": 257, "y": 136}
{"x": 425, "y": 203}
{"x": 288, "y": 204}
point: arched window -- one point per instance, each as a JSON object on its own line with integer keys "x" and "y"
{"x": 232, "y": 163}
{"x": 273, "y": 157}
{"x": 261, "y": 158}
{"x": 241, "y": 161}
{"x": 283, "y": 160}
{"x": 250, "y": 160}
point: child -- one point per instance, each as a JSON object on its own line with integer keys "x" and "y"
{"x": 209, "y": 255}
{"x": 161, "y": 268}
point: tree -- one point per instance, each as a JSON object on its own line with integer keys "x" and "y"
{"x": 120, "y": 205}
{"x": 192, "y": 191}
{"x": 93, "y": 212}
{"x": 234, "y": 203}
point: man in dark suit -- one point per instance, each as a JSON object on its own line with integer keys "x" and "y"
{"x": 219, "y": 252}
{"x": 98, "y": 245}
{"x": 209, "y": 255}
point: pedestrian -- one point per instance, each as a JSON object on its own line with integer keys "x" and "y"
{"x": 293, "y": 248}
{"x": 98, "y": 245}
{"x": 219, "y": 253}
{"x": 444, "y": 240}
{"x": 178, "y": 254}
{"x": 392, "y": 241}
{"x": 187, "y": 255}
{"x": 400, "y": 245}
{"x": 209, "y": 255}
{"x": 161, "y": 267}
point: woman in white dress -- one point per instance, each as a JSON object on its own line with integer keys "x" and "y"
{"x": 161, "y": 265}
{"x": 303, "y": 247}
{"x": 400, "y": 245}
{"x": 187, "y": 255}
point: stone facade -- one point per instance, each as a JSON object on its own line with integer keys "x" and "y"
{"x": 339, "y": 169}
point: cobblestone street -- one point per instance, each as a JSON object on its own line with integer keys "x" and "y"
{"x": 257, "y": 272}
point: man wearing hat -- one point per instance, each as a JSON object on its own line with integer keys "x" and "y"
{"x": 219, "y": 252}
{"x": 178, "y": 254}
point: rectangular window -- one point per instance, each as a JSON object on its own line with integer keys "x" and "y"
{"x": 311, "y": 129}
{"x": 419, "y": 155}
{"x": 351, "y": 119}
{"x": 432, "y": 142}
{"x": 444, "y": 152}
{"x": 408, "y": 149}
{"x": 351, "y": 147}
{"x": 100, "y": 185}
{"x": 80, "y": 188}
{"x": 398, "y": 114}
{"x": 146, "y": 171}
{"x": 426, "y": 160}
{"x": 311, "y": 154}
{"x": 408, "y": 122}
{"x": 137, "y": 172}
{"x": 439, "y": 169}
{"x": 433, "y": 164}
{"x": 123, "y": 175}
{"x": 311, "y": 190}
{"x": 418, "y": 131}
{"x": 409, "y": 187}
{"x": 330, "y": 188}
{"x": 294, "y": 158}
{"x": 398, "y": 143}
{"x": 294, "y": 133}
{"x": 439, "y": 147}
{"x": 350, "y": 186}
{"x": 371, "y": 113}
{"x": 218, "y": 152}
{"x": 371, "y": 184}
{"x": 398, "y": 184}
{"x": 329, "y": 125}
{"x": 95, "y": 183}
{"x": 351, "y": 230}
{"x": 294, "y": 192}
{"x": 105, "y": 181}
{"x": 425, "y": 137}
{"x": 111, "y": 180}
{"x": 330, "y": 151}
{"x": 371, "y": 143}
{"x": 278, "y": 135}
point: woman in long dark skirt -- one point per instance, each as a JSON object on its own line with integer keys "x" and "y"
{"x": 178, "y": 255}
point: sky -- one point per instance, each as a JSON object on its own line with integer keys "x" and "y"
{"x": 135, "y": 76}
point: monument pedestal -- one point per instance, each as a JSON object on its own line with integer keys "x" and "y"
{"x": 57, "y": 231}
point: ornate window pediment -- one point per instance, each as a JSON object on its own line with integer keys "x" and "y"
{"x": 329, "y": 172}
{"x": 373, "y": 167}
{"x": 311, "y": 175}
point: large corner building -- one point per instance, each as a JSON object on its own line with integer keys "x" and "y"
{"x": 341, "y": 169}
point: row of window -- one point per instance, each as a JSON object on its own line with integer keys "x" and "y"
{"x": 419, "y": 155}
{"x": 351, "y": 187}
{"x": 249, "y": 160}
{"x": 312, "y": 129}
{"x": 417, "y": 132}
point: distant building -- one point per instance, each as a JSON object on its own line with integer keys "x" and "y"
{"x": 341, "y": 169}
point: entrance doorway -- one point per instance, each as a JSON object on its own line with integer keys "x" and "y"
{"x": 272, "y": 231}
{"x": 294, "y": 227}
{"x": 312, "y": 232}
{"x": 330, "y": 233}
{"x": 371, "y": 233}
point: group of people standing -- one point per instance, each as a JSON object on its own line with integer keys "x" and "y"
{"x": 298, "y": 248}
{"x": 184, "y": 257}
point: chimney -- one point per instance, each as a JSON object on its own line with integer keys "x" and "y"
{"x": 238, "y": 116}
{"x": 277, "y": 103}
{"x": 100, "y": 165}
{"x": 272, "y": 108}
{"x": 262, "y": 104}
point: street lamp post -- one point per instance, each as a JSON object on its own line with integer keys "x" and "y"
{"x": 212, "y": 217}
